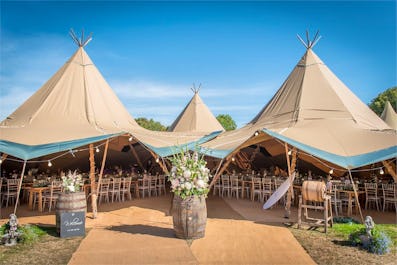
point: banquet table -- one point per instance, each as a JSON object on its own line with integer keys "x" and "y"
{"x": 351, "y": 195}
{"x": 39, "y": 192}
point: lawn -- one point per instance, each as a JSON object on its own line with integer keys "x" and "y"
{"x": 43, "y": 246}
{"x": 335, "y": 247}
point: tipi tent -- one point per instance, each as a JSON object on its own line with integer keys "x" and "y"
{"x": 315, "y": 112}
{"x": 76, "y": 107}
{"x": 389, "y": 116}
{"x": 196, "y": 117}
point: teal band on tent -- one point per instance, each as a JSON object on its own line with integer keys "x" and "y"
{"x": 27, "y": 152}
{"x": 348, "y": 162}
{"x": 171, "y": 150}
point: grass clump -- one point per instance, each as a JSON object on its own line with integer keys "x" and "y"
{"x": 29, "y": 233}
{"x": 384, "y": 237}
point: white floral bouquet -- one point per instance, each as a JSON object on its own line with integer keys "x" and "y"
{"x": 189, "y": 175}
{"x": 72, "y": 182}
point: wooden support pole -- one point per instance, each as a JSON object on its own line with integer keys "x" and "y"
{"x": 390, "y": 170}
{"x": 136, "y": 157}
{"x": 291, "y": 169}
{"x": 105, "y": 153}
{"x": 3, "y": 157}
{"x": 356, "y": 196}
{"x": 162, "y": 165}
{"x": 93, "y": 184}
{"x": 19, "y": 186}
{"x": 220, "y": 172}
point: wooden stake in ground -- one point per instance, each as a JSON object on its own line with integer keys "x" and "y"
{"x": 93, "y": 184}
{"x": 356, "y": 196}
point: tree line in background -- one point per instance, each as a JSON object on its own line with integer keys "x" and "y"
{"x": 377, "y": 105}
{"x": 225, "y": 120}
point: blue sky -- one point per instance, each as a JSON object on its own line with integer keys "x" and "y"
{"x": 151, "y": 52}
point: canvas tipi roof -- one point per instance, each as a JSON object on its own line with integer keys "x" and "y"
{"x": 389, "y": 116}
{"x": 314, "y": 111}
{"x": 196, "y": 117}
{"x": 75, "y": 107}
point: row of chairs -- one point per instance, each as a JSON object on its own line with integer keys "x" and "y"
{"x": 10, "y": 192}
{"x": 389, "y": 197}
{"x": 114, "y": 189}
{"x": 152, "y": 185}
{"x": 258, "y": 188}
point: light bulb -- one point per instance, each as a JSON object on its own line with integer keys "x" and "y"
{"x": 49, "y": 163}
{"x": 97, "y": 150}
{"x": 157, "y": 160}
{"x": 381, "y": 171}
{"x": 331, "y": 171}
{"x": 233, "y": 159}
{"x": 130, "y": 139}
{"x": 256, "y": 133}
{"x": 1, "y": 160}
{"x": 289, "y": 152}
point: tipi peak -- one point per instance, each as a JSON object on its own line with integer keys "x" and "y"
{"x": 81, "y": 42}
{"x": 309, "y": 44}
{"x": 195, "y": 89}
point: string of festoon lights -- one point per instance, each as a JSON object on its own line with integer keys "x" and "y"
{"x": 331, "y": 169}
{"x": 50, "y": 162}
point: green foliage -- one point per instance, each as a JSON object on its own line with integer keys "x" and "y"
{"x": 150, "y": 124}
{"x": 31, "y": 233}
{"x": 344, "y": 220}
{"x": 380, "y": 242}
{"x": 227, "y": 122}
{"x": 378, "y": 103}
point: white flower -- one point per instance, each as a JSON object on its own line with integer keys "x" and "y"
{"x": 71, "y": 188}
{"x": 187, "y": 174}
{"x": 200, "y": 183}
{"x": 188, "y": 185}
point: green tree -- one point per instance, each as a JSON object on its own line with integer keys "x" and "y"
{"x": 150, "y": 124}
{"x": 227, "y": 122}
{"x": 378, "y": 103}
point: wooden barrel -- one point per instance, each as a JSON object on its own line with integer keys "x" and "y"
{"x": 313, "y": 191}
{"x": 70, "y": 202}
{"x": 189, "y": 217}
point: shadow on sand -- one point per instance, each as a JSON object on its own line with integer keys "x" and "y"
{"x": 144, "y": 230}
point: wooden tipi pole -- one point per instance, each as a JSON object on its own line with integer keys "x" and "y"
{"x": 291, "y": 168}
{"x": 105, "y": 153}
{"x": 93, "y": 184}
{"x": 137, "y": 157}
{"x": 390, "y": 170}
{"x": 19, "y": 186}
{"x": 356, "y": 195}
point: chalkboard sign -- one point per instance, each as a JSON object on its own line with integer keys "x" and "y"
{"x": 72, "y": 224}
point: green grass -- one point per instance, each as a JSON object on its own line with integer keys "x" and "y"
{"x": 30, "y": 233}
{"x": 344, "y": 230}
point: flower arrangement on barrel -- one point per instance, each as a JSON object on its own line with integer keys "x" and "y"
{"x": 70, "y": 203}
{"x": 189, "y": 179}
{"x": 72, "y": 182}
